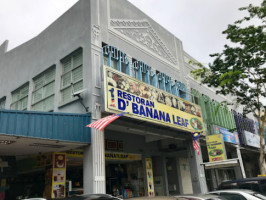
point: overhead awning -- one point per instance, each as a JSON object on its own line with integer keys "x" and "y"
{"x": 221, "y": 164}
{"x": 69, "y": 127}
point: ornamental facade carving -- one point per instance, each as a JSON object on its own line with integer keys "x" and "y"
{"x": 142, "y": 33}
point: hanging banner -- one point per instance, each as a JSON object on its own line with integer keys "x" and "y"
{"x": 59, "y": 175}
{"x": 143, "y": 101}
{"x": 227, "y": 135}
{"x": 251, "y": 139}
{"x": 149, "y": 172}
{"x": 215, "y": 146}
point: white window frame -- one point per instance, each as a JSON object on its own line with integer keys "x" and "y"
{"x": 71, "y": 85}
{"x": 21, "y": 97}
{"x": 42, "y": 88}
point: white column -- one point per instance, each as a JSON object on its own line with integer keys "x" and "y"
{"x": 240, "y": 161}
{"x": 94, "y": 164}
{"x": 197, "y": 171}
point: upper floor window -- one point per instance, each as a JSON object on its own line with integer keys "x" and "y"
{"x": 43, "y": 92}
{"x": 20, "y": 98}
{"x": 115, "y": 58}
{"x": 179, "y": 89}
{"x": 2, "y": 103}
{"x": 153, "y": 78}
{"x": 72, "y": 75}
{"x": 195, "y": 100}
{"x": 161, "y": 80}
{"x": 141, "y": 71}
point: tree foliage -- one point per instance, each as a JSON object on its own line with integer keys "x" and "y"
{"x": 240, "y": 69}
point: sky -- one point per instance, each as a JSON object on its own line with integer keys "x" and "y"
{"x": 197, "y": 23}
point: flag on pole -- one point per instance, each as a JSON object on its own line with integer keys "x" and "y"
{"x": 196, "y": 146}
{"x": 102, "y": 123}
{"x": 195, "y": 136}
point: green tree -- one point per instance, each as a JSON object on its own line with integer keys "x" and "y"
{"x": 240, "y": 70}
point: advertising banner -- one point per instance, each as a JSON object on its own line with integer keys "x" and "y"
{"x": 227, "y": 135}
{"x": 143, "y": 101}
{"x": 59, "y": 175}
{"x": 150, "y": 181}
{"x": 252, "y": 139}
{"x": 215, "y": 146}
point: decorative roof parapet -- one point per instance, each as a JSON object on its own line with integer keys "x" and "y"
{"x": 142, "y": 32}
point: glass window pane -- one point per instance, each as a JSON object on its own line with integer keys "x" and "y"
{"x": 77, "y": 74}
{"x": 124, "y": 67}
{"x": 24, "y": 91}
{"x": 77, "y": 60}
{"x": 37, "y": 95}
{"x": 78, "y": 86}
{"x": 38, "y": 106}
{"x": 48, "y": 89}
{"x": 143, "y": 76}
{"x": 66, "y": 79}
{"x": 24, "y": 103}
{"x": 66, "y": 94}
{"x": 15, "y": 96}
{"x": 14, "y": 106}
{"x": 39, "y": 82}
{"x": 66, "y": 65}
{"x": 114, "y": 64}
{"x": 50, "y": 75}
{"x": 49, "y": 103}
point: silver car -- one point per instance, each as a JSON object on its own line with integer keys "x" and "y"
{"x": 238, "y": 194}
{"x": 200, "y": 197}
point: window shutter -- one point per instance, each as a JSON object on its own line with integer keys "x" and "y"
{"x": 77, "y": 74}
{"x": 44, "y": 90}
{"x": 72, "y": 73}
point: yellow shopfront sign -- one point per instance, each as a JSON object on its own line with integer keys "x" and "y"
{"x": 126, "y": 94}
{"x": 121, "y": 156}
{"x": 108, "y": 155}
{"x": 215, "y": 146}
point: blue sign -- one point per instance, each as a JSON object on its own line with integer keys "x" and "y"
{"x": 227, "y": 136}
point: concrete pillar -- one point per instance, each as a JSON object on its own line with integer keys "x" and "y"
{"x": 197, "y": 170}
{"x": 240, "y": 161}
{"x": 213, "y": 178}
{"x": 94, "y": 164}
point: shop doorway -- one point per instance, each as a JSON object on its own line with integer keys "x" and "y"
{"x": 125, "y": 178}
{"x": 172, "y": 175}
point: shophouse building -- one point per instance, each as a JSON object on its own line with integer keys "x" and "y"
{"x": 99, "y": 58}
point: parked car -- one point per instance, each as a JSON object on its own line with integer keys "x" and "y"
{"x": 91, "y": 197}
{"x": 157, "y": 198}
{"x": 35, "y": 199}
{"x": 239, "y": 194}
{"x": 201, "y": 197}
{"x": 257, "y": 184}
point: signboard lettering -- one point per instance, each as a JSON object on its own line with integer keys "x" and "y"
{"x": 140, "y": 100}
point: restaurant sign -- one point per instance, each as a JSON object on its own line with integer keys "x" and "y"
{"x": 143, "y": 101}
{"x": 215, "y": 146}
{"x": 121, "y": 156}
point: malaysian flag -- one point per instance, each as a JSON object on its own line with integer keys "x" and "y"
{"x": 196, "y": 146}
{"x": 102, "y": 123}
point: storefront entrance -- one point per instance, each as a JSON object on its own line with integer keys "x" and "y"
{"x": 171, "y": 167}
{"x": 124, "y": 175}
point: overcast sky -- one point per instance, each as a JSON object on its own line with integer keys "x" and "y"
{"x": 198, "y": 23}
